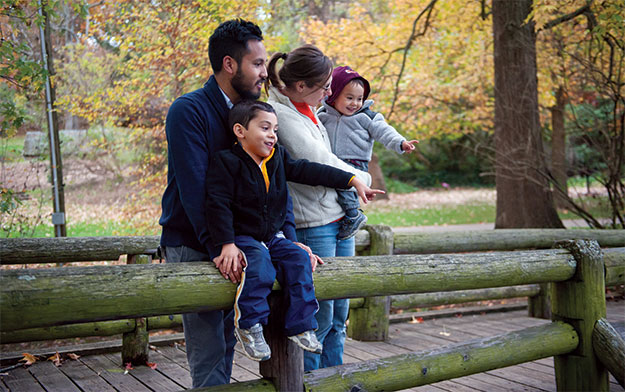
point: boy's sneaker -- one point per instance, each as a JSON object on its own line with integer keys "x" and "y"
{"x": 351, "y": 225}
{"x": 253, "y": 342}
{"x": 308, "y": 341}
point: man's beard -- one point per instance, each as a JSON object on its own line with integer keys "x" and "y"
{"x": 241, "y": 89}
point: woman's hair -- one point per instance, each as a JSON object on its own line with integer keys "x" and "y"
{"x": 245, "y": 111}
{"x": 306, "y": 63}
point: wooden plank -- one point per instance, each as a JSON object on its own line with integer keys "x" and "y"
{"x": 174, "y": 354}
{"x": 171, "y": 370}
{"x": 502, "y": 384}
{"x": 20, "y": 379}
{"x": 244, "y": 362}
{"x": 51, "y": 378}
{"x": 526, "y": 377}
{"x": 85, "y": 377}
{"x": 113, "y": 374}
{"x": 150, "y": 377}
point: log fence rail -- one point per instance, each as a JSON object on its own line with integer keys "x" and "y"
{"x": 399, "y": 270}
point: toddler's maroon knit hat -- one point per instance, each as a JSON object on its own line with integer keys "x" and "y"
{"x": 340, "y": 77}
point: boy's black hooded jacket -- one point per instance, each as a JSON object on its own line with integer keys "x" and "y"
{"x": 239, "y": 200}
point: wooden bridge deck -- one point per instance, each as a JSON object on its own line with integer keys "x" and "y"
{"x": 102, "y": 372}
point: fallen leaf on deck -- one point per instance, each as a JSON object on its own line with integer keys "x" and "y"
{"x": 151, "y": 365}
{"x": 129, "y": 366}
{"x": 416, "y": 320}
{"x": 56, "y": 359}
{"x": 29, "y": 359}
{"x": 73, "y": 356}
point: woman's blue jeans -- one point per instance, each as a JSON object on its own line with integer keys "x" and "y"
{"x": 332, "y": 314}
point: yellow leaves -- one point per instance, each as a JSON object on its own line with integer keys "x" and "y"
{"x": 56, "y": 359}
{"x": 28, "y": 359}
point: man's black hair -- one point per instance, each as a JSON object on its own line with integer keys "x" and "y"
{"x": 230, "y": 39}
{"x": 244, "y": 111}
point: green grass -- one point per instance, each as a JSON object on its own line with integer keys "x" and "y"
{"x": 81, "y": 229}
{"x": 452, "y": 215}
{"x": 11, "y": 148}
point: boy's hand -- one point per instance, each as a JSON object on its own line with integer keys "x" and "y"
{"x": 408, "y": 146}
{"x": 365, "y": 193}
{"x": 314, "y": 259}
{"x": 230, "y": 262}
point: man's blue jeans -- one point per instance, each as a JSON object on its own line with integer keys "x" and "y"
{"x": 332, "y": 314}
{"x": 209, "y": 336}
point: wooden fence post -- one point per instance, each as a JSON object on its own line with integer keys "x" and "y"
{"x": 580, "y": 302}
{"x": 539, "y": 306}
{"x": 135, "y": 343}
{"x": 370, "y": 322}
{"x": 285, "y": 368}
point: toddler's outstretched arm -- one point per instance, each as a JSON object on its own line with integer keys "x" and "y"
{"x": 408, "y": 146}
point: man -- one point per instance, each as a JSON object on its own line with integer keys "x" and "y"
{"x": 196, "y": 128}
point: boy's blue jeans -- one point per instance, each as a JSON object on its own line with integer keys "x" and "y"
{"x": 349, "y": 199}
{"x": 279, "y": 259}
{"x": 209, "y": 336}
{"x": 332, "y": 314}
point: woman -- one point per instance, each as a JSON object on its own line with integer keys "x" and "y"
{"x": 295, "y": 89}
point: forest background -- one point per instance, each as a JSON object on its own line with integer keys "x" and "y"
{"x": 520, "y": 95}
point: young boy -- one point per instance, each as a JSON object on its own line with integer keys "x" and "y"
{"x": 247, "y": 203}
{"x": 352, "y": 128}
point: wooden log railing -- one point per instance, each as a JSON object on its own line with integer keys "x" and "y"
{"x": 31, "y": 298}
{"x": 373, "y": 241}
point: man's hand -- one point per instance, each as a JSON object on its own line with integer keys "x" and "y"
{"x": 230, "y": 262}
{"x": 314, "y": 259}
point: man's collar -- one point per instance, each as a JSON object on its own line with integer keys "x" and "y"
{"x": 228, "y": 101}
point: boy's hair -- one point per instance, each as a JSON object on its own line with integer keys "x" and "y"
{"x": 230, "y": 39}
{"x": 306, "y": 63}
{"x": 245, "y": 111}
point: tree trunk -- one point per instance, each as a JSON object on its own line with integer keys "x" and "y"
{"x": 558, "y": 150}
{"x": 377, "y": 177}
{"x": 524, "y": 198}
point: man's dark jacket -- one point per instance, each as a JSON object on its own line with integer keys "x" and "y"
{"x": 239, "y": 202}
{"x": 196, "y": 129}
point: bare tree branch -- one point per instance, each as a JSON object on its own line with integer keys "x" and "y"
{"x": 565, "y": 18}
{"x": 413, "y": 35}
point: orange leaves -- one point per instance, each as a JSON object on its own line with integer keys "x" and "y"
{"x": 28, "y": 359}
{"x": 56, "y": 359}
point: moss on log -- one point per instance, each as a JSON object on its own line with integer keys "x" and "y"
{"x": 69, "y": 249}
{"x": 103, "y": 328}
{"x": 580, "y": 302}
{"x": 502, "y": 239}
{"x": 32, "y": 298}
{"x": 614, "y": 260}
{"x": 410, "y": 301}
{"x": 610, "y": 349}
{"x": 426, "y": 367}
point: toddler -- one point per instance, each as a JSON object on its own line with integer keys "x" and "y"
{"x": 353, "y": 127}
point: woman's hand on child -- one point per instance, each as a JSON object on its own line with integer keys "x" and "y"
{"x": 366, "y": 194}
{"x": 314, "y": 259}
{"x": 409, "y": 146}
{"x": 230, "y": 262}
